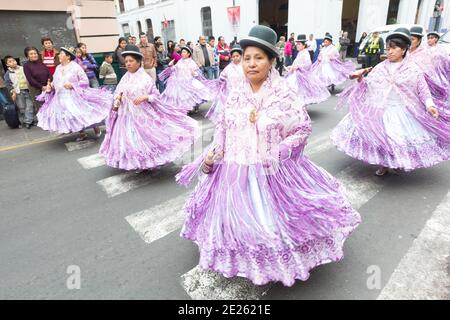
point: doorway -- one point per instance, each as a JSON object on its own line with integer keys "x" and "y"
{"x": 274, "y": 14}
{"x": 350, "y": 13}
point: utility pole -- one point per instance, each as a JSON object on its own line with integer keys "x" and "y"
{"x": 235, "y": 36}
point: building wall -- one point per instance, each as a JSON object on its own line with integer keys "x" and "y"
{"x": 187, "y": 17}
{"x": 92, "y": 21}
{"x": 317, "y": 17}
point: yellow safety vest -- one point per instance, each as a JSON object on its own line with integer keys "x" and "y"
{"x": 374, "y": 46}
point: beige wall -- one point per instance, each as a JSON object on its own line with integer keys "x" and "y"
{"x": 95, "y": 20}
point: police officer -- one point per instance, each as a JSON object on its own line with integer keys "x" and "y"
{"x": 374, "y": 49}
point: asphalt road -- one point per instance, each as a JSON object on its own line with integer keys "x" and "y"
{"x": 62, "y": 208}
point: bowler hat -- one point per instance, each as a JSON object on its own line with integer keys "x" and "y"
{"x": 400, "y": 33}
{"x": 262, "y": 37}
{"x": 133, "y": 50}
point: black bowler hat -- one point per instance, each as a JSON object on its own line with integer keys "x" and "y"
{"x": 434, "y": 33}
{"x": 70, "y": 51}
{"x": 328, "y": 37}
{"x": 236, "y": 48}
{"x": 417, "y": 31}
{"x": 188, "y": 49}
{"x": 400, "y": 33}
{"x": 132, "y": 50}
{"x": 262, "y": 37}
{"x": 301, "y": 38}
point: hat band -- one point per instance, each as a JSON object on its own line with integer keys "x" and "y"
{"x": 261, "y": 41}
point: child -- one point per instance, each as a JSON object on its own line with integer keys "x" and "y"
{"x": 107, "y": 73}
{"x": 17, "y": 84}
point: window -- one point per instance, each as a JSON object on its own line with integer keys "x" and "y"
{"x": 121, "y": 6}
{"x": 126, "y": 29}
{"x": 141, "y": 3}
{"x": 206, "y": 21}
{"x": 168, "y": 33}
{"x": 150, "y": 34}
{"x": 139, "y": 27}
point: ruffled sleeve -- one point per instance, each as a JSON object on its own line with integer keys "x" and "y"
{"x": 297, "y": 129}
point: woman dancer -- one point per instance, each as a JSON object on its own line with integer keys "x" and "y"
{"x": 329, "y": 69}
{"x": 433, "y": 66}
{"x": 186, "y": 87}
{"x": 70, "y": 105}
{"x": 393, "y": 121}
{"x": 302, "y": 79}
{"x": 142, "y": 133}
{"x": 231, "y": 77}
{"x": 262, "y": 210}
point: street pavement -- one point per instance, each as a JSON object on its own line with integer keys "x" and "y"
{"x": 62, "y": 209}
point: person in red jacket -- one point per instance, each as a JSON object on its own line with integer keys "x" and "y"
{"x": 224, "y": 54}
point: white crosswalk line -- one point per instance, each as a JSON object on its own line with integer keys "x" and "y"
{"x": 93, "y": 161}
{"x": 75, "y": 146}
{"x": 361, "y": 186}
{"x": 360, "y": 183}
{"x": 319, "y": 145}
{"x": 208, "y": 285}
{"x": 125, "y": 182}
{"x": 424, "y": 272}
{"x": 157, "y": 222}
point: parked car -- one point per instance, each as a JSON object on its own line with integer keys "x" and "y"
{"x": 384, "y": 32}
{"x": 445, "y": 41}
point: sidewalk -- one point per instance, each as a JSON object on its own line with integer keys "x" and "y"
{"x": 11, "y": 138}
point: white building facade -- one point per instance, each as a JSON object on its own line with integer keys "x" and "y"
{"x": 188, "y": 19}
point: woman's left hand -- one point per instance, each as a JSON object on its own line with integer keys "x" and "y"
{"x": 434, "y": 112}
{"x": 68, "y": 86}
{"x": 140, "y": 100}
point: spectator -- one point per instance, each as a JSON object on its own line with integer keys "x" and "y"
{"x": 215, "y": 65}
{"x": 204, "y": 57}
{"x": 190, "y": 44}
{"x": 163, "y": 61}
{"x": 89, "y": 65}
{"x": 17, "y": 84}
{"x": 37, "y": 75}
{"x": 224, "y": 54}
{"x": 288, "y": 52}
{"x": 78, "y": 55}
{"x": 357, "y": 45}
{"x": 118, "y": 53}
{"x": 132, "y": 40}
{"x": 312, "y": 46}
{"x": 158, "y": 40}
{"x": 280, "y": 59}
{"x": 344, "y": 42}
{"x": 172, "y": 53}
{"x": 149, "y": 52}
{"x": 107, "y": 73}
{"x": 182, "y": 43}
{"x": 374, "y": 48}
{"x": 49, "y": 55}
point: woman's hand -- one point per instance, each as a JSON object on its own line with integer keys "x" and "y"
{"x": 171, "y": 63}
{"x": 434, "y": 112}
{"x": 140, "y": 100}
{"x": 68, "y": 86}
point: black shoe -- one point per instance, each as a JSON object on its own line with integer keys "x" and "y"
{"x": 28, "y": 126}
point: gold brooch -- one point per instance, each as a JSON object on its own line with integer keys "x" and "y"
{"x": 253, "y": 115}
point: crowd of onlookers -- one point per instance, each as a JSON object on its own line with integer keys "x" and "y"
{"x": 212, "y": 55}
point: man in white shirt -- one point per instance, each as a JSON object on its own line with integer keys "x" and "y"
{"x": 312, "y": 46}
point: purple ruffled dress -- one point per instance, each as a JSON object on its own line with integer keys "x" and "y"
{"x": 329, "y": 69}
{"x": 67, "y": 111}
{"x": 232, "y": 76}
{"x": 266, "y": 212}
{"x": 186, "y": 87}
{"x": 148, "y": 135}
{"x": 388, "y": 123}
{"x": 305, "y": 82}
{"x": 436, "y": 67}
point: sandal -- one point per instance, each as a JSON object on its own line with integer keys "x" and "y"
{"x": 382, "y": 172}
{"x": 82, "y": 137}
